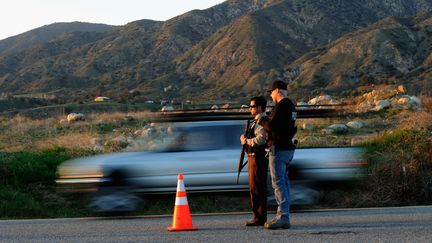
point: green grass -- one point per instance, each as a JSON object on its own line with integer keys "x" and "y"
{"x": 401, "y": 168}
{"x": 28, "y": 190}
{"x": 400, "y": 172}
{"x": 27, "y": 185}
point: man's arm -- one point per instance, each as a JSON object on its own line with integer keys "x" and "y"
{"x": 265, "y": 123}
{"x": 259, "y": 138}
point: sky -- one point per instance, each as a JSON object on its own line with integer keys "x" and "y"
{"x": 18, "y": 16}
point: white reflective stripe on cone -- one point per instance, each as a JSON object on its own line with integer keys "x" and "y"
{"x": 181, "y": 187}
{"x": 181, "y": 201}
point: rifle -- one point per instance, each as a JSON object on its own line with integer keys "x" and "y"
{"x": 242, "y": 153}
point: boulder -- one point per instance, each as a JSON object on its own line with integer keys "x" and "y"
{"x": 355, "y": 124}
{"x": 307, "y": 126}
{"x": 75, "y": 117}
{"x": 364, "y": 106}
{"x": 167, "y": 108}
{"x": 381, "y": 104}
{"x": 401, "y": 89}
{"x": 336, "y": 129}
{"x": 244, "y": 108}
{"x": 403, "y": 101}
{"x": 415, "y": 100}
{"x": 323, "y": 100}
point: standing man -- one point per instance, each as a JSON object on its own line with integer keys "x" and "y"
{"x": 281, "y": 129}
{"x": 257, "y": 162}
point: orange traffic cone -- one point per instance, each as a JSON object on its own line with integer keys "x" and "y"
{"x": 182, "y": 219}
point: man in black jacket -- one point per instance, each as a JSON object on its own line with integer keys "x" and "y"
{"x": 257, "y": 162}
{"x": 281, "y": 129}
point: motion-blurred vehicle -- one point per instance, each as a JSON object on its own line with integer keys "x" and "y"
{"x": 207, "y": 154}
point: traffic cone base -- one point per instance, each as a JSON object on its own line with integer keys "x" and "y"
{"x": 182, "y": 220}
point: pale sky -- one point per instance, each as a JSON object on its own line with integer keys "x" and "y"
{"x": 18, "y": 16}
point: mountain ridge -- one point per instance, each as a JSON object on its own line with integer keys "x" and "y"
{"x": 233, "y": 49}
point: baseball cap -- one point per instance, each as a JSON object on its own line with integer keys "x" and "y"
{"x": 277, "y": 85}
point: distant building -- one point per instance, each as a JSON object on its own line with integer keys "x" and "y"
{"x": 102, "y": 98}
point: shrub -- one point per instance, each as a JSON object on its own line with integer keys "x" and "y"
{"x": 400, "y": 168}
{"x": 27, "y": 184}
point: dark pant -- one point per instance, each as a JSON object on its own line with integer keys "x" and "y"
{"x": 257, "y": 169}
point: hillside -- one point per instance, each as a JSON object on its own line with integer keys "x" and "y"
{"x": 231, "y": 49}
{"x": 46, "y": 34}
{"x": 275, "y": 37}
{"x": 394, "y": 50}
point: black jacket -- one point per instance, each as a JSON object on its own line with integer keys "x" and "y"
{"x": 281, "y": 125}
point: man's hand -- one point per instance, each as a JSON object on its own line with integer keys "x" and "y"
{"x": 243, "y": 139}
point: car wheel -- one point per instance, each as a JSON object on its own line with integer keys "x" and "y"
{"x": 115, "y": 196}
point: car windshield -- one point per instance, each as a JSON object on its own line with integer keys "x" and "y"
{"x": 191, "y": 137}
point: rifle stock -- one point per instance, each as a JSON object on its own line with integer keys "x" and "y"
{"x": 242, "y": 154}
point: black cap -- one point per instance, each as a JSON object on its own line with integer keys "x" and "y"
{"x": 278, "y": 85}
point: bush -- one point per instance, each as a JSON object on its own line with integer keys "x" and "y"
{"x": 27, "y": 184}
{"x": 400, "y": 169}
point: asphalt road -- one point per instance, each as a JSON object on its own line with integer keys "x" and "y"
{"x": 407, "y": 224}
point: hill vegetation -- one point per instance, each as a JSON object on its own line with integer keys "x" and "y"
{"x": 398, "y": 146}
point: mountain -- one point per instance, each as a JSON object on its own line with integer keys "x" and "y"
{"x": 46, "y": 34}
{"x": 252, "y": 51}
{"x": 393, "y": 50}
{"x": 231, "y": 49}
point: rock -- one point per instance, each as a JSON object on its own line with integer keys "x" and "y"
{"x": 167, "y": 108}
{"x": 364, "y": 106}
{"x": 327, "y": 131}
{"x": 401, "y": 89}
{"x": 355, "y": 124}
{"x": 313, "y": 101}
{"x": 323, "y": 100}
{"x": 75, "y": 117}
{"x": 415, "y": 100}
{"x": 403, "y": 101}
{"x": 244, "y": 108}
{"x": 381, "y": 104}
{"x": 307, "y": 126}
{"x": 337, "y": 129}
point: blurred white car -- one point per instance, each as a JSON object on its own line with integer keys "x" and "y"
{"x": 207, "y": 154}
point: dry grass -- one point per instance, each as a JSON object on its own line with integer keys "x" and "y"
{"x": 21, "y": 133}
{"x": 73, "y": 140}
{"x": 427, "y": 103}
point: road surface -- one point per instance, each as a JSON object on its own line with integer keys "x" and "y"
{"x": 406, "y": 224}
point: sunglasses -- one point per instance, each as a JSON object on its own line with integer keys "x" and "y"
{"x": 253, "y": 106}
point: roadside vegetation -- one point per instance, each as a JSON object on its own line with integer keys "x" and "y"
{"x": 398, "y": 149}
